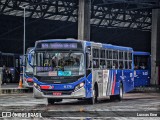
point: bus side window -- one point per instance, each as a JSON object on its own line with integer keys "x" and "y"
{"x": 109, "y": 64}
{"x": 121, "y": 65}
{"x": 95, "y": 54}
{"x": 115, "y": 64}
{"x": 109, "y": 58}
{"x": 141, "y": 62}
{"x": 126, "y": 59}
{"x": 102, "y": 64}
{"x": 115, "y": 59}
{"x": 102, "y": 59}
{"x": 130, "y": 60}
{"x": 95, "y": 63}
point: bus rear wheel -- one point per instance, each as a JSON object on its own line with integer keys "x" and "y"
{"x": 118, "y": 97}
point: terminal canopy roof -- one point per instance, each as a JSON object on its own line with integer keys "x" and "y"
{"x": 134, "y": 14}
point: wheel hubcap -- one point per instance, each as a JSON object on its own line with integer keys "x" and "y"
{"x": 121, "y": 92}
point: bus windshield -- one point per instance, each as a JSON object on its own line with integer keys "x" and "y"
{"x": 67, "y": 63}
{"x": 141, "y": 62}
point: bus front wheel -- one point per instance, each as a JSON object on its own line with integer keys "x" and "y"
{"x": 51, "y": 101}
{"x": 94, "y": 100}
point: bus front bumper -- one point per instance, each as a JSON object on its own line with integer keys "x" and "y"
{"x": 80, "y": 93}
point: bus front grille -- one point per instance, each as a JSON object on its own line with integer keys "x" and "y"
{"x": 68, "y": 92}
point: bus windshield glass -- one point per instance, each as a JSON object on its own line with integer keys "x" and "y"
{"x": 141, "y": 62}
{"x": 68, "y": 63}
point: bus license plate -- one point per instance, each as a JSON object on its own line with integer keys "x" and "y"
{"x": 57, "y": 93}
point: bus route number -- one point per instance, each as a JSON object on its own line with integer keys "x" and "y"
{"x": 145, "y": 73}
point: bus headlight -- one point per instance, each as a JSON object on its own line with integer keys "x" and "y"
{"x": 36, "y": 86}
{"x": 79, "y": 86}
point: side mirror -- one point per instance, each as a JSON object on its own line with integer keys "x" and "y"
{"x": 30, "y": 59}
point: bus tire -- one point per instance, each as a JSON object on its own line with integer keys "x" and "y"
{"x": 112, "y": 97}
{"x": 51, "y": 101}
{"x": 94, "y": 99}
{"x": 120, "y": 96}
{"x": 80, "y": 99}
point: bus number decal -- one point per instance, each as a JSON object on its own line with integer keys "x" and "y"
{"x": 67, "y": 86}
{"x": 145, "y": 73}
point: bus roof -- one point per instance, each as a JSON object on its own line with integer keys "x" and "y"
{"x": 59, "y": 40}
{"x": 88, "y": 43}
{"x": 141, "y": 53}
{"x": 110, "y": 46}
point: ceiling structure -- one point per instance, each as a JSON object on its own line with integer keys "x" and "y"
{"x": 119, "y": 22}
{"x": 129, "y": 14}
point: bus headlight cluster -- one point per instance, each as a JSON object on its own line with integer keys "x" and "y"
{"x": 79, "y": 86}
{"x": 36, "y": 86}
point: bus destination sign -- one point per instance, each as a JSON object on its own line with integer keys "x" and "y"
{"x": 59, "y": 45}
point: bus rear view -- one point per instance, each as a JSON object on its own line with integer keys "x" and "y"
{"x": 142, "y": 69}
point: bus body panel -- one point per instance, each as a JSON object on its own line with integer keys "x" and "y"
{"x": 129, "y": 80}
{"x": 62, "y": 88}
{"x": 89, "y": 86}
{"x": 141, "y": 78}
{"x": 108, "y": 83}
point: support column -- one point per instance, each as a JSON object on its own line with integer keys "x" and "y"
{"x": 155, "y": 46}
{"x": 84, "y": 19}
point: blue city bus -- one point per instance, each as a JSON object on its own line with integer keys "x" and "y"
{"x": 76, "y": 69}
{"x": 28, "y": 73}
{"x": 12, "y": 63}
{"x": 142, "y": 68}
